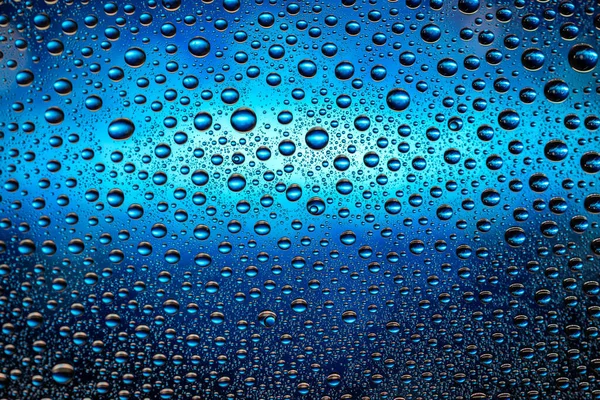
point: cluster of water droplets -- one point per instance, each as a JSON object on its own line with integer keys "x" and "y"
{"x": 349, "y": 199}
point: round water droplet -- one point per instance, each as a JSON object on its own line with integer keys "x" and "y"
{"x": 398, "y": 99}
{"x": 299, "y": 305}
{"x": 590, "y": 162}
{"x": 243, "y": 119}
{"x": 556, "y": 150}
{"x": 236, "y": 182}
{"x": 583, "y": 57}
{"x": 533, "y": 59}
{"x": 199, "y": 47}
{"x": 307, "y": 68}
{"x": 115, "y": 197}
{"x": 509, "y": 120}
{"x": 556, "y": 91}
{"x": 63, "y": 373}
{"x": 393, "y": 206}
{"x": 135, "y": 57}
{"x": 267, "y": 318}
{"x": 349, "y": 316}
{"x": 468, "y": 6}
{"x": 203, "y": 121}
{"x": 515, "y": 236}
{"x": 317, "y": 138}
{"x": 121, "y": 129}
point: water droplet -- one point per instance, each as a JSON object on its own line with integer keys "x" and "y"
{"x": 121, "y": 129}
{"x": 199, "y": 47}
